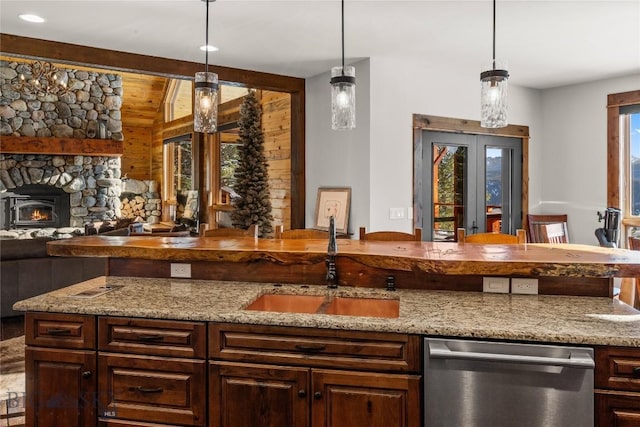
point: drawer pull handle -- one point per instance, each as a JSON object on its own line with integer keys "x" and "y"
{"x": 636, "y": 371}
{"x": 302, "y": 393}
{"x": 58, "y": 331}
{"x": 317, "y": 395}
{"x": 146, "y": 390}
{"x": 311, "y": 348}
{"x": 150, "y": 337}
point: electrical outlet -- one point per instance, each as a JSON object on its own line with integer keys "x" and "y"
{"x": 499, "y": 285}
{"x": 396, "y": 213}
{"x": 524, "y": 286}
{"x": 181, "y": 270}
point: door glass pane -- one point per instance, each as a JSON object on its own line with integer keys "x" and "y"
{"x": 448, "y": 189}
{"x": 493, "y": 189}
{"x": 634, "y": 142}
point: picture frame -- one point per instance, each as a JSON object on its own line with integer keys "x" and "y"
{"x": 333, "y": 201}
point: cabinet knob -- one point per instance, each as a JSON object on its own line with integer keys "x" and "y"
{"x": 317, "y": 395}
{"x": 86, "y": 374}
{"x": 636, "y": 371}
{"x": 302, "y": 393}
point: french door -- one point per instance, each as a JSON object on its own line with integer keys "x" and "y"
{"x": 472, "y": 182}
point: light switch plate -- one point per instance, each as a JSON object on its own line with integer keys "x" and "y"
{"x": 181, "y": 270}
{"x": 396, "y": 213}
{"x": 498, "y": 285}
{"x": 524, "y": 286}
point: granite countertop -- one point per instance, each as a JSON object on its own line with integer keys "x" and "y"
{"x": 542, "y": 318}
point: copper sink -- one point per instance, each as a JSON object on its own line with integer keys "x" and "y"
{"x": 314, "y": 304}
{"x": 285, "y": 303}
{"x": 370, "y": 307}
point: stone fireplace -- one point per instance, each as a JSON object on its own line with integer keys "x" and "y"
{"x": 35, "y": 206}
{"x": 91, "y": 184}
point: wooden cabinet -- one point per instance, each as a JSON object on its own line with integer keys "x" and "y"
{"x": 152, "y": 371}
{"x": 322, "y": 377}
{"x": 60, "y": 365}
{"x": 617, "y": 382}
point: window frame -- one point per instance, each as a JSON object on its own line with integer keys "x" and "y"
{"x": 618, "y": 161}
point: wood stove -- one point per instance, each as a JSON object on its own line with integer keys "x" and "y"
{"x": 34, "y": 206}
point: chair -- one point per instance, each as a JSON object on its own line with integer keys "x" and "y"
{"x": 630, "y": 287}
{"x": 252, "y": 231}
{"x": 391, "y": 236}
{"x": 492, "y": 238}
{"x": 554, "y": 233}
{"x": 535, "y": 223}
{"x": 300, "y": 233}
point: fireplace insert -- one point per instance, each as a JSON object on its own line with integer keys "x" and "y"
{"x": 34, "y": 206}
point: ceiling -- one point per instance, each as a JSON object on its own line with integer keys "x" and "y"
{"x": 547, "y": 43}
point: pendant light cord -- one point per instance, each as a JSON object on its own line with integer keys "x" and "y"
{"x": 494, "y": 35}
{"x": 343, "y": 37}
{"x": 206, "y": 38}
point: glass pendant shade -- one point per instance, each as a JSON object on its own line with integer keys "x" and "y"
{"x": 343, "y": 98}
{"x": 493, "y": 95}
{"x": 205, "y": 108}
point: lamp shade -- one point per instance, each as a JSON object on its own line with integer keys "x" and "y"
{"x": 343, "y": 98}
{"x": 493, "y": 95}
{"x": 205, "y": 108}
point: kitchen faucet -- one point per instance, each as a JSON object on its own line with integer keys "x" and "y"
{"x": 332, "y": 251}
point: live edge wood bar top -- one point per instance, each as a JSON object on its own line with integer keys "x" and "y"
{"x": 539, "y": 318}
{"x": 567, "y": 260}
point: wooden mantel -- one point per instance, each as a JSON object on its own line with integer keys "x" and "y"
{"x": 60, "y": 146}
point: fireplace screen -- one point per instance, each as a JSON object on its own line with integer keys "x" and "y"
{"x": 40, "y": 213}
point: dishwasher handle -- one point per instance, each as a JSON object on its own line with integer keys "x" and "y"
{"x": 577, "y": 358}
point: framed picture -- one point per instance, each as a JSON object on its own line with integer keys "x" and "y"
{"x": 333, "y": 201}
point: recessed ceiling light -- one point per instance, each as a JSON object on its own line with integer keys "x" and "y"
{"x": 209, "y": 48}
{"x": 31, "y": 18}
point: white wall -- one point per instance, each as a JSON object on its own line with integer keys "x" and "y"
{"x": 573, "y": 168}
{"x": 338, "y": 158}
{"x": 375, "y": 159}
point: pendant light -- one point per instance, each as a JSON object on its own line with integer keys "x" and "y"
{"x": 493, "y": 95}
{"x": 205, "y": 108}
{"x": 343, "y": 92}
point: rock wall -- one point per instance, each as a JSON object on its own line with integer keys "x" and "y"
{"x": 89, "y": 108}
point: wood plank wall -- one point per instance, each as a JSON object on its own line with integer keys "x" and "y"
{"x": 136, "y": 157}
{"x": 276, "y": 126}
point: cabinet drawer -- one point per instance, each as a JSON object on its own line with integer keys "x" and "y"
{"x": 618, "y": 368}
{"x": 315, "y": 347}
{"x": 60, "y": 330}
{"x": 617, "y": 409}
{"x": 152, "y": 389}
{"x": 103, "y": 422}
{"x": 152, "y": 337}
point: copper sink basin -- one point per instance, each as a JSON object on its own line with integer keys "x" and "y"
{"x": 285, "y": 303}
{"x": 370, "y": 307}
{"x": 314, "y": 304}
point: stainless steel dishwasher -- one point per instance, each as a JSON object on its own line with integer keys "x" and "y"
{"x": 496, "y": 384}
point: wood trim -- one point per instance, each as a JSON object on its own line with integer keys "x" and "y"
{"x": 27, "y": 47}
{"x": 62, "y": 146}
{"x": 446, "y": 124}
{"x": 614, "y": 101}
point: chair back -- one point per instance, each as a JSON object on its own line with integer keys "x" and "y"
{"x": 492, "y": 238}
{"x": 252, "y": 231}
{"x": 554, "y": 233}
{"x": 300, "y": 233}
{"x": 535, "y": 223}
{"x": 391, "y": 236}
{"x": 630, "y": 287}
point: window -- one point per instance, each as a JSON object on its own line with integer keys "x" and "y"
{"x": 623, "y": 167}
{"x": 179, "y": 174}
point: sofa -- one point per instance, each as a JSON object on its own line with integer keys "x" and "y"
{"x": 26, "y": 270}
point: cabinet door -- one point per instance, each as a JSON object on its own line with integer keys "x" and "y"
{"x": 247, "y": 395}
{"x": 61, "y": 385}
{"x": 617, "y": 409}
{"x": 359, "y": 399}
